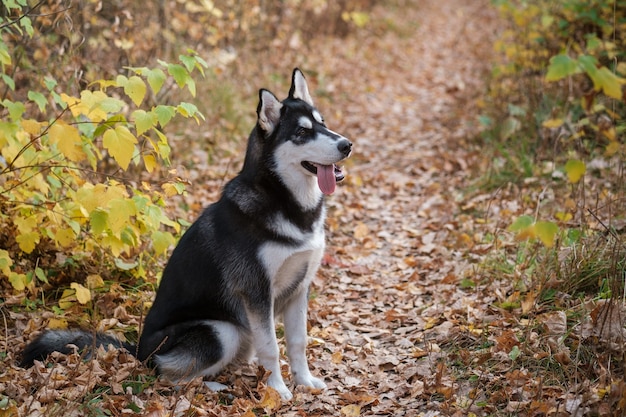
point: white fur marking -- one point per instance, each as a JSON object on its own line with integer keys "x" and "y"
{"x": 288, "y": 157}
{"x": 284, "y": 227}
{"x": 318, "y": 116}
{"x": 301, "y": 183}
{"x": 184, "y": 364}
{"x": 305, "y": 122}
{"x": 282, "y": 262}
{"x": 266, "y": 346}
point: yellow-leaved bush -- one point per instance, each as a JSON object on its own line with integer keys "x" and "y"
{"x": 63, "y": 161}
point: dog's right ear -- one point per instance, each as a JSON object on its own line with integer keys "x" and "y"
{"x": 268, "y": 111}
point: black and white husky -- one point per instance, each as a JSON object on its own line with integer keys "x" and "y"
{"x": 248, "y": 258}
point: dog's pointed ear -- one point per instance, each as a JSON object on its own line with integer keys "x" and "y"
{"x": 299, "y": 89}
{"x": 268, "y": 111}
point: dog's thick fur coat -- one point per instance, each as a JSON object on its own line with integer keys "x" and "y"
{"x": 248, "y": 258}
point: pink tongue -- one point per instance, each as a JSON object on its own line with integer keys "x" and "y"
{"x": 326, "y": 178}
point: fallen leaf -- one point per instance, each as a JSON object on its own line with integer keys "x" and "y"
{"x": 352, "y": 410}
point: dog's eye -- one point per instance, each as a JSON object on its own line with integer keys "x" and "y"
{"x": 302, "y": 131}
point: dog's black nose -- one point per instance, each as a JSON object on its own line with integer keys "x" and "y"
{"x": 344, "y": 146}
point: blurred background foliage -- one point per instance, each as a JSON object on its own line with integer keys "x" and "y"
{"x": 559, "y": 86}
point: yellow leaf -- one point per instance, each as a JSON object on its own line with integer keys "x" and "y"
{"x": 115, "y": 245}
{"x": 149, "y": 162}
{"x": 121, "y": 145}
{"x": 27, "y": 241}
{"x": 33, "y": 127}
{"x": 169, "y": 189}
{"x": 612, "y": 148}
{"x": 161, "y": 241}
{"x": 575, "y": 169}
{"x": 271, "y": 401}
{"x": 94, "y": 281}
{"x": 432, "y": 322}
{"x": 83, "y": 295}
{"x": 528, "y": 232}
{"x": 65, "y": 237}
{"x": 26, "y": 224}
{"x": 135, "y": 88}
{"x": 68, "y": 299}
{"x": 68, "y": 140}
{"x": 57, "y": 323}
{"x": 144, "y": 121}
{"x": 39, "y": 183}
{"x": 115, "y": 190}
{"x": 18, "y": 281}
{"x": 5, "y": 262}
{"x": 86, "y": 105}
{"x": 28, "y": 236}
{"x": 120, "y": 211}
{"x": 546, "y": 232}
{"x": 337, "y": 357}
{"x": 91, "y": 105}
{"x": 528, "y": 303}
{"x": 360, "y": 19}
{"x": 610, "y": 133}
{"x": 610, "y": 83}
{"x": 552, "y": 123}
{"x": 91, "y": 197}
{"x": 563, "y": 216}
{"x": 74, "y": 104}
{"x": 352, "y": 410}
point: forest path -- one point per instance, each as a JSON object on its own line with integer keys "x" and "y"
{"x": 388, "y": 310}
{"x": 389, "y": 296}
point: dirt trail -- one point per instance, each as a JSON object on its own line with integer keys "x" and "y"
{"x": 387, "y": 298}
{"x": 386, "y": 291}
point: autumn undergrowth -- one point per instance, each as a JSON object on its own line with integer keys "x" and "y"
{"x": 553, "y": 129}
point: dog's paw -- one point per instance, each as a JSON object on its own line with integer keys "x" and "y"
{"x": 309, "y": 380}
{"x": 279, "y": 385}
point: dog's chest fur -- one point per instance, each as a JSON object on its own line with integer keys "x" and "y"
{"x": 289, "y": 265}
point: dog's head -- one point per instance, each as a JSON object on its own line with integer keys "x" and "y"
{"x": 305, "y": 152}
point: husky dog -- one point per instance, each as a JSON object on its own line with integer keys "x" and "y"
{"x": 248, "y": 258}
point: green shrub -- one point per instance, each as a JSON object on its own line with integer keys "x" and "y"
{"x": 70, "y": 168}
{"x": 556, "y": 103}
{"x": 561, "y": 84}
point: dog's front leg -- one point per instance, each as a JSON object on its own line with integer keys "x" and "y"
{"x": 266, "y": 346}
{"x": 295, "y": 317}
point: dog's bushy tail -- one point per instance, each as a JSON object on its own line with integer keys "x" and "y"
{"x": 62, "y": 341}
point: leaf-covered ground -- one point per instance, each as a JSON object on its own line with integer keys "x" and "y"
{"x": 399, "y": 322}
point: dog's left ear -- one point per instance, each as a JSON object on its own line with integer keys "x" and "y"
{"x": 268, "y": 111}
{"x": 299, "y": 89}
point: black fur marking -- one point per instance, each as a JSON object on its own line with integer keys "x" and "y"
{"x": 61, "y": 340}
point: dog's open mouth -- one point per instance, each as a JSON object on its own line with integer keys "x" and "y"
{"x": 327, "y": 175}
